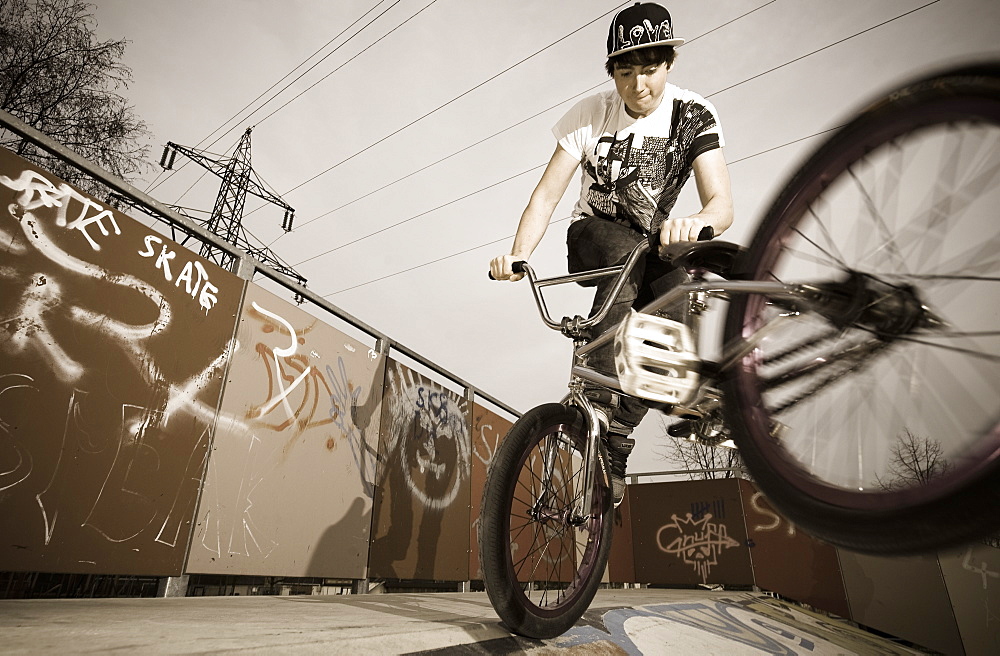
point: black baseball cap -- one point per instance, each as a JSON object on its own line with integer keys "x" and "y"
{"x": 642, "y": 25}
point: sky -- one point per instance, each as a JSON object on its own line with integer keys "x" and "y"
{"x": 417, "y": 129}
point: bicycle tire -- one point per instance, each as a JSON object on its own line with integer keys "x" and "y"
{"x": 950, "y": 119}
{"x": 544, "y": 592}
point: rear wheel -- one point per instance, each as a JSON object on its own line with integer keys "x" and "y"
{"x": 542, "y": 563}
{"x": 877, "y": 426}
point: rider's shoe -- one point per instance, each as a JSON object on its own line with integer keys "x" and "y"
{"x": 619, "y": 448}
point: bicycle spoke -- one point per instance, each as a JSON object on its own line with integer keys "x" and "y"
{"x": 889, "y": 242}
{"x": 956, "y": 349}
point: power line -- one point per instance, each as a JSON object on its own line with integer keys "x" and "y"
{"x": 730, "y": 22}
{"x": 419, "y": 266}
{"x": 744, "y": 15}
{"x": 715, "y": 93}
{"x": 446, "y": 157}
{"x": 456, "y": 98}
{"x": 373, "y": 44}
{"x": 835, "y": 43}
{"x": 434, "y": 209}
{"x": 495, "y": 134}
{"x": 289, "y": 73}
{"x": 305, "y": 72}
{"x": 509, "y": 237}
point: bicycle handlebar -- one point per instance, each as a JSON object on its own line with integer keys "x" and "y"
{"x": 706, "y": 233}
{"x": 622, "y": 272}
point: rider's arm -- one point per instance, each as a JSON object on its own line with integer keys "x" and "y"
{"x": 712, "y": 178}
{"x": 536, "y": 216}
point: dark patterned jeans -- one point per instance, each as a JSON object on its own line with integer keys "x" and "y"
{"x": 595, "y": 243}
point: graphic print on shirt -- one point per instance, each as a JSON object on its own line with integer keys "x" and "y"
{"x": 640, "y": 177}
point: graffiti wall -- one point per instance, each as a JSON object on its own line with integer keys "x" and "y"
{"x": 689, "y": 532}
{"x": 290, "y": 480}
{"x": 788, "y": 561}
{"x": 422, "y": 493}
{"x": 113, "y": 346}
{"x": 972, "y": 576}
{"x": 488, "y": 430}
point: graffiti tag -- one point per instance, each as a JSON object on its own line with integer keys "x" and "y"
{"x": 698, "y": 543}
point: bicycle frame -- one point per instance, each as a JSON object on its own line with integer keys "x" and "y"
{"x": 696, "y": 291}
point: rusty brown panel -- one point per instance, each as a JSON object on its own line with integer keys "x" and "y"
{"x": 621, "y": 562}
{"x": 904, "y": 596}
{"x": 421, "y": 507}
{"x": 488, "y": 429}
{"x": 788, "y": 561}
{"x": 690, "y": 532}
{"x": 290, "y": 481}
{"x": 113, "y": 346}
{"x": 972, "y": 576}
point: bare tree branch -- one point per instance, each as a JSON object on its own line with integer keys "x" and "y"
{"x": 57, "y": 77}
{"x": 685, "y": 454}
{"x": 913, "y": 461}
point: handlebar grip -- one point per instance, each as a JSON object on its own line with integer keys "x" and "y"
{"x": 516, "y": 267}
{"x": 707, "y": 233}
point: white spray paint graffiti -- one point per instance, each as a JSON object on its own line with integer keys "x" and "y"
{"x": 430, "y": 433}
{"x": 37, "y": 191}
{"x": 776, "y": 520}
{"x": 289, "y": 351}
{"x": 42, "y": 300}
{"x": 698, "y": 542}
{"x": 43, "y": 296}
{"x": 982, "y": 569}
{"x": 240, "y": 532}
{"x": 490, "y": 444}
{"x": 231, "y": 524}
{"x": 207, "y": 297}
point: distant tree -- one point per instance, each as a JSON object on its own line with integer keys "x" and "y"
{"x": 695, "y": 455}
{"x": 57, "y": 77}
{"x": 913, "y": 461}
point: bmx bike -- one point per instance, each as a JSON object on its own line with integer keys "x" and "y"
{"x": 859, "y": 369}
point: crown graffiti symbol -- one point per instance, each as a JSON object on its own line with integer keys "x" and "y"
{"x": 698, "y": 543}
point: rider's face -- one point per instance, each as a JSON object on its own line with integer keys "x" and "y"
{"x": 641, "y": 87}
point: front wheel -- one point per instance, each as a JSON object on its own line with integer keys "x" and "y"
{"x": 542, "y": 562}
{"x": 875, "y": 424}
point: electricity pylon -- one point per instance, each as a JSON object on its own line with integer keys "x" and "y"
{"x": 226, "y": 221}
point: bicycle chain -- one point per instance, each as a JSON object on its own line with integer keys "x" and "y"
{"x": 861, "y": 359}
{"x": 785, "y": 355}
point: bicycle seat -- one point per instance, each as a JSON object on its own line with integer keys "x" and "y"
{"x": 717, "y": 257}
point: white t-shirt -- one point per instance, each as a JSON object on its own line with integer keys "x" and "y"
{"x": 634, "y": 169}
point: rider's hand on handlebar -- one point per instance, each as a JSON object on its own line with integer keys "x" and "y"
{"x": 680, "y": 229}
{"x": 500, "y": 268}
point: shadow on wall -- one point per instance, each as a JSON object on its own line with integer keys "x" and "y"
{"x": 336, "y": 535}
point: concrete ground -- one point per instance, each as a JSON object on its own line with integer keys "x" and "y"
{"x": 618, "y": 622}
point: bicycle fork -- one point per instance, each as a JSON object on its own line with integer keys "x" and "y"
{"x": 579, "y": 512}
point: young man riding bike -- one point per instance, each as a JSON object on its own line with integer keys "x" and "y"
{"x": 637, "y": 146}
